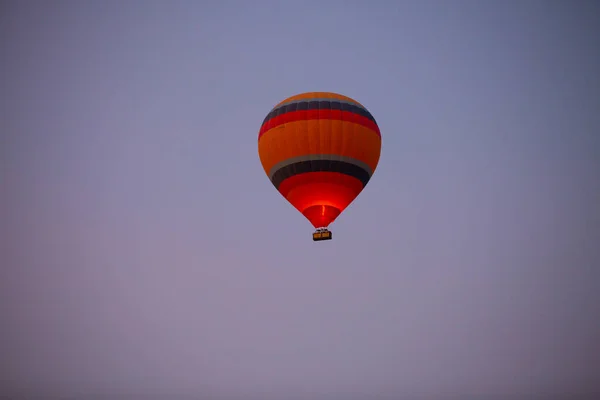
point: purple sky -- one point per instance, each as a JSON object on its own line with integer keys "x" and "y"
{"x": 145, "y": 252}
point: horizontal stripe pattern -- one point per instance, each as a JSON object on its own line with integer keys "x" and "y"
{"x": 323, "y": 114}
{"x": 342, "y": 138}
{"x": 317, "y": 95}
{"x": 315, "y": 98}
{"x": 318, "y": 104}
{"x": 320, "y": 157}
{"x": 302, "y": 167}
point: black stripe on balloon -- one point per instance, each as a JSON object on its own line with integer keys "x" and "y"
{"x": 318, "y": 105}
{"x": 320, "y": 166}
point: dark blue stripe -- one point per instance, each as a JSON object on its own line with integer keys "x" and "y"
{"x": 318, "y": 105}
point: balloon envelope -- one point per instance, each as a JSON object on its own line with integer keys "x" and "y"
{"x": 319, "y": 150}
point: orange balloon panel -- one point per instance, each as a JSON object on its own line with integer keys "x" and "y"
{"x": 319, "y": 150}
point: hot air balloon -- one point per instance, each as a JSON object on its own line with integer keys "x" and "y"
{"x": 319, "y": 150}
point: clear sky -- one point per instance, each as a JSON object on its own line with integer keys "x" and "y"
{"x": 145, "y": 252}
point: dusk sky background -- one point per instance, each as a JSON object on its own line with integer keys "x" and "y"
{"x": 145, "y": 254}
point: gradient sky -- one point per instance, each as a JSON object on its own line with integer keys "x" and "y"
{"x": 145, "y": 252}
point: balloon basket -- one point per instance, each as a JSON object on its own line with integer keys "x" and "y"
{"x": 322, "y": 234}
